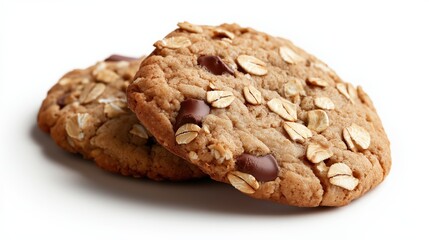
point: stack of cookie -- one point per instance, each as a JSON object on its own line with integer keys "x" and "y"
{"x": 238, "y": 105}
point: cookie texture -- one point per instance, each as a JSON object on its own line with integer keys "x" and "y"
{"x": 260, "y": 113}
{"x": 86, "y": 112}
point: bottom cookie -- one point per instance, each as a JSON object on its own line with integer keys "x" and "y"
{"x": 86, "y": 113}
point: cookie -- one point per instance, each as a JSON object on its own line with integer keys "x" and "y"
{"x": 261, "y": 114}
{"x": 86, "y": 112}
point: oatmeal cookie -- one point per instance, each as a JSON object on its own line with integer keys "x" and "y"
{"x": 261, "y": 114}
{"x": 86, "y": 112}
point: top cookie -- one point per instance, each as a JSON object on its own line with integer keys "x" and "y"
{"x": 86, "y": 113}
{"x": 261, "y": 114}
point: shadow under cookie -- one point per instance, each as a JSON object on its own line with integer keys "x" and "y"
{"x": 198, "y": 195}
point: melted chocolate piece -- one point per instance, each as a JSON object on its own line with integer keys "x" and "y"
{"x": 214, "y": 65}
{"x": 263, "y": 168}
{"x": 117, "y": 58}
{"x": 191, "y": 111}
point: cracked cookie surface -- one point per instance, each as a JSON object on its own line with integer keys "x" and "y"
{"x": 86, "y": 112}
{"x": 260, "y": 113}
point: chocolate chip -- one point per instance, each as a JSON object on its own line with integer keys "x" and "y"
{"x": 263, "y": 168}
{"x": 214, "y": 65}
{"x": 191, "y": 111}
{"x": 61, "y": 101}
{"x": 117, "y": 58}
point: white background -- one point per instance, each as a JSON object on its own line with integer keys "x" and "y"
{"x": 46, "y": 193}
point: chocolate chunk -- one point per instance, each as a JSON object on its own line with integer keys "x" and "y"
{"x": 263, "y": 168}
{"x": 117, "y": 58}
{"x": 61, "y": 101}
{"x": 214, "y": 65}
{"x": 191, "y": 111}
